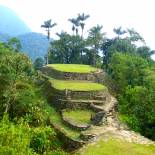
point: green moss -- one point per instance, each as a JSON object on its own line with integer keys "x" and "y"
{"x": 73, "y": 68}
{"x": 56, "y": 120}
{"x": 79, "y": 116}
{"x": 117, "y": 147}
{"x": 76, "y": 85}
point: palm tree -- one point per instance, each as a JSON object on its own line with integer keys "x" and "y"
{"x": 119, "y": 31}
{"x": 135, "y": 36}
{"x": 47, "y": 25}
{"x": 82, "y": 17}
{"x": 95, "y": 39}
{"x": 75, "y": 22}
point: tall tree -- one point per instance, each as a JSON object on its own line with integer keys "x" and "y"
{"x": 135, "y": 36}
{"x": 95, "y": 39}
{"x": 82, "y": 17}
{"x": 47, "y": 25}
{"x": 119, "y": 31}
{"x": 145, "y": 52}
{"x": 75, "y": 22}
{"x": 15, "y": 44}
{"x": 38, "y": 64}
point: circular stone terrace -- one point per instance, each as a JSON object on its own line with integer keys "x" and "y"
{"x": 73, "y": 68}
{"x": 72, "y": 72}
{"x": 74, "y": 85}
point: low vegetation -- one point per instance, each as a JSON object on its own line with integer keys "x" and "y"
{"x": 24, "y": 127}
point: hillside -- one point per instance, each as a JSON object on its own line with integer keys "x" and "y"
{"x": 4, "y": 37}
{"x": 12, "y": 24}
{"x": 83, "y": 92}
{"x": 34, "y": 44}
{"x": 84, "y": 113}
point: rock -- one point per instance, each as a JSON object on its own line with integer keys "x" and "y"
{"x": 99, "y": 118}
{"x": 87, "y": 136}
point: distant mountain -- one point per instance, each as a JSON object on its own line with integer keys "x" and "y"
{"x": 34, "y": 44}
{"x": 10, "y": 23}
{"x": 4, "y": 37}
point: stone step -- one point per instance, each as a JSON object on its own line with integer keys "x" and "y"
{"x": 96, "y": 108}
{"x": 92, "y": 133}
{"x": 100, "y": 97}
{"x": 96, "y": 102}
{"x": 81, "y": 102}
{"x": 107, "y": 107}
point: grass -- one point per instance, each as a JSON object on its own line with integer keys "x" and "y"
{"x": 76, "y": 85}
{"x": 117, "y": 147}
{"x": 79, "y": 116}
{"x": 73, "y": 68}
{"x": 56, "y": 120}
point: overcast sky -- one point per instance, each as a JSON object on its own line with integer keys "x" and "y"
{"x": 137, "y": 14}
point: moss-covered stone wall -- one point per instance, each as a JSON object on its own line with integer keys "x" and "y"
{"x": 96, "y": 76}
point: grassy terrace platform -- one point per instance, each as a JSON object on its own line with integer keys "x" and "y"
{"x": 117, "y": 147}
{"x": 76, "y": 85}
{"x": 79, "y": 116}
{"x": 73, "y": 68}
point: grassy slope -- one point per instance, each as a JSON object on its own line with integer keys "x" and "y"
{"x": 73, "y": 68}
{"x": 56, "y": 120}
{"x": 117, "y": 147}
{"x": 76, "y": 85}
{"x": 79, "y": 116}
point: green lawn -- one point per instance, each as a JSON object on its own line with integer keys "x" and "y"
{"x": 79, "y": 116}
{"x": 117, "y": 147}
{"x": 76, "y": 85}
{"x": 75, "y": 68}
{"x": 56, "y": 120}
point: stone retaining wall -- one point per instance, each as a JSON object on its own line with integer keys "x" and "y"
{"x": 72, "y": 124}
{"x": 96, "y": 76}
{"x": 62, "y": 99}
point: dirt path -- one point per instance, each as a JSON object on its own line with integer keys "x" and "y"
{"x": 114, "y": 129}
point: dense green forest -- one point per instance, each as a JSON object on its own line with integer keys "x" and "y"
{"x": 24, "y": 110}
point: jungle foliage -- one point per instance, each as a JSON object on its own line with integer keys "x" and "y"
{"x": 24, "y": 127}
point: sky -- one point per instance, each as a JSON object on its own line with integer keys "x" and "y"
{"x": 137, "y": 14}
